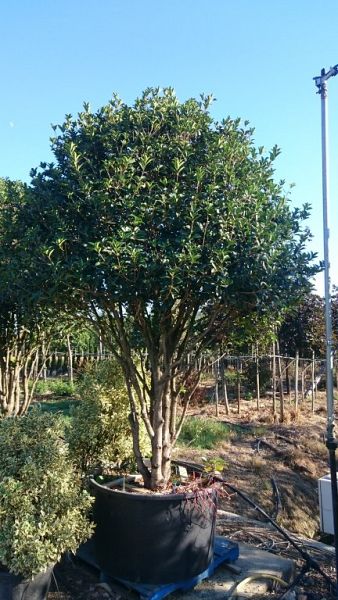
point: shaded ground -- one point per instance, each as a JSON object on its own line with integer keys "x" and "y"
{"x": 278, "y": 466}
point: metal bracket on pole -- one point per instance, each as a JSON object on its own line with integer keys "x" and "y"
{"x": 323, "y": 77}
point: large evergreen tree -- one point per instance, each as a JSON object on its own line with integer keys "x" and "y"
{"x": 158, "y": 222}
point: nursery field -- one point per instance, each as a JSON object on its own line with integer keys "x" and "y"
{"x": 276, "y": 464}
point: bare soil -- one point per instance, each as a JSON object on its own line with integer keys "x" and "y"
{"x": 277, "y": 465}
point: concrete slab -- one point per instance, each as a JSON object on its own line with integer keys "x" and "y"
{"x": 251, "y": 561}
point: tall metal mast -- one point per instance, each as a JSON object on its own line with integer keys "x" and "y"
{"x": 331, "y": 442}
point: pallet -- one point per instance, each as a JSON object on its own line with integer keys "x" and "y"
{"x": 224, "y": 551}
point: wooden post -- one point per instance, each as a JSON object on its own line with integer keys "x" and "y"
{"x": 216, "y": 370}
{"x": 287, "y": 378}
{"x": 303, "y": 382}
{"x": 70, "y": 361}
{"x": 239, "y": 370}
{"x": 313, "y": 383}
{"x": 224, "y": 387}
{"x": 258, "y": 392}
{"x": 273, "y": 378}
{"x": 281, "y": 390}
{"x": 296, "y": 379}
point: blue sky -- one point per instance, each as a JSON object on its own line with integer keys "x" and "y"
{"x": 257, "y": 57}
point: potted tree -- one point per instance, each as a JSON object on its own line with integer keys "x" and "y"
{"x": 157, "y": 223}
{"x": 43, "y": 510}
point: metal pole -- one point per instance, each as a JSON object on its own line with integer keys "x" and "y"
{"x": 331, "y": 442}
{"x": 327, "y": 285}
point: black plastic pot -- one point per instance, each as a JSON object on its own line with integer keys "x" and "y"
{"x": 152, "y": 538}
{"x": 14, "y": 587}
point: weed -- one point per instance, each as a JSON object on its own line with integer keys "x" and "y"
{"x": 203, "y": 433}
{"x": 216, "y": 464}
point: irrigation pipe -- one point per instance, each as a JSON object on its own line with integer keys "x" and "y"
{"x": 311, "y": 562}
{"x": 224, "y": 515}
{"x": 240, "y": 584}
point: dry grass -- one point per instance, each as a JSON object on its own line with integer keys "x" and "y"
{"x": 257, "y": 464}
{"x": 295, "y": 467}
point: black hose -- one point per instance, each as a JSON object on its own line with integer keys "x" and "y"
{"x": 310, "y": 562}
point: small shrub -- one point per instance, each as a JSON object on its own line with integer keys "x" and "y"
{"x": 99, "y": 433}
{"x": 42, "y": 507}
{"x": 203, "y": 433}
{"x": 41, "y": 388}
{"x": 59, "y": 387}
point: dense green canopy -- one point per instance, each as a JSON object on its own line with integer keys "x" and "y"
{"x": 159, "y": 223}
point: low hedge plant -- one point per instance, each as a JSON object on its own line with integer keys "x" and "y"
{"x": 99, "y": 434}
{"x": 43, "y": 509}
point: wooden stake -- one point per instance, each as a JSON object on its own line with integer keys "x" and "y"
{"x": 216, "y": 370}
{"x": 258, "y": 394}
{"x": 296, "y": 379}
{"x": 224, "y": 387}
{"x": 239, "y": 370}
{"x": 281, "y": 390}
{"x": 70, "y": 361}
{"x": 273, "y": 378}
{"x": 313, "y": 383}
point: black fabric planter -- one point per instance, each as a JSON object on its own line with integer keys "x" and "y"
{"x": 14, "y": 587}
{"x": 153, "y": 538}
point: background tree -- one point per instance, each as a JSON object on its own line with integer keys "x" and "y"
{"x": 26, "y": 324}
{"x": 304, "y": 328}
{"x": 156, "y": 221}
